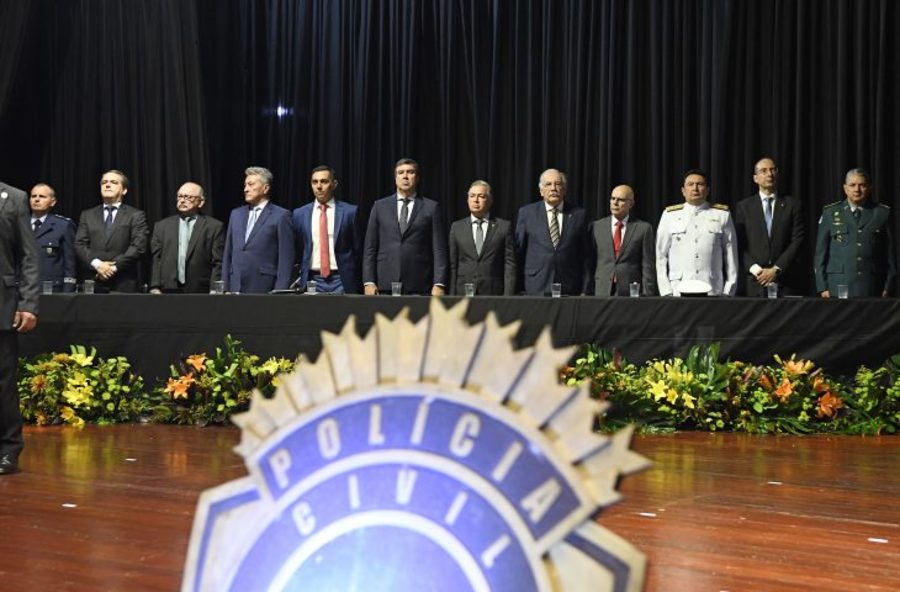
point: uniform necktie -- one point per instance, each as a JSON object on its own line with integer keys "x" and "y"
{"x": 617, "y": 238}
{"x": 110, "y": 211}
{"x": 185, "y": 226}
{"x": 404, "y": 215}
{"x": 479, "y": 236}
{"x": 37, "y": 224}
{"x": 324, "y": 259}
{"x": 254, "y": 214}
{"x": 857, "y": 213}
{"x": 554, "y": 228}
{"x": 768, "y": 201}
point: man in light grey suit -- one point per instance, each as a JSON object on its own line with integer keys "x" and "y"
{"x": 624, "y": 247}
{"x": 482, "y": 248}
{"x": 18, "y": 313}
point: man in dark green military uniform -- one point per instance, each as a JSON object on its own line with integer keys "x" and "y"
{"x": 854, "y": 247}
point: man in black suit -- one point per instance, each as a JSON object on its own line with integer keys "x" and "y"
{"x": 406, "y": 239}
{"x": 552, "y": 240}
{"x": 187, "y": 247}
{"x": 625, "y": 249}
{"x": 55, "y": 236}
{"x": 112, "y": 238}
{"x": 18, "y": 313}
{"x": 770, "y": 235}
{"x": 482, "y": 248}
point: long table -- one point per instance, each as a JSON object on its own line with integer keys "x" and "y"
{"x": 155, "y": 331}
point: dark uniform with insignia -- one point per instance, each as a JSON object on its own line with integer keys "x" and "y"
{"x": 855, "y": 249}
{"x": 55, "y": 238}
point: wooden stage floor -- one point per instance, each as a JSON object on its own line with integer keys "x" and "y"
{"x": 110, "y": 508}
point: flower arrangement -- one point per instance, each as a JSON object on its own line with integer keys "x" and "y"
{"x": 701, "y": 391}
{"x": 207, "y": 390}
{"x": 79, "y": 387}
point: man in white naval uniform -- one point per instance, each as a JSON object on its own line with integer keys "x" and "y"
{"x": 696, "y": 241}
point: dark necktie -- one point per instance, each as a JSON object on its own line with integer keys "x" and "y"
{"x": 769, "y": 201}
{"x": 324, "y": 258}
{"x": 37, "y": 224}
{"x": 554, "y": 227}
{"x": 857, "y": 213}
{"x": 110, "y": 210}
{"x": 479, "y": 236}
{"x": 617, "y": 238}
{"x": 404, "y": 215}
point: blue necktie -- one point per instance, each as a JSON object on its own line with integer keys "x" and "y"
{"x": 254, "y": 214}
{"x": 769, "y": 201}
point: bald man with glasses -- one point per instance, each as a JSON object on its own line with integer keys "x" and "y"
{"x": 624, "y": 249}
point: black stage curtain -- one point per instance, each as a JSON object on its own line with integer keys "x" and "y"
{"x": 611, "y": 91}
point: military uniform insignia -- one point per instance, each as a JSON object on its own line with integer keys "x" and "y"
{"x": 404, "y": 461}
{"x": 675, "y": 208}
{"x": 720, "y": 206}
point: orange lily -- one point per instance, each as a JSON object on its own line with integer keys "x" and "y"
{"x": 197, "y": 361}
{"x": 829, "y": 405}
{"x": 784, "y": 390}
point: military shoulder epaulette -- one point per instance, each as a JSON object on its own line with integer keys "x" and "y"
{"x": 881, "y": 205}
{"x": 831, "y": 205}
{"x": 63, "y": 218}
{"x": 675, "y": 208}
{"x": 720, "y": 207}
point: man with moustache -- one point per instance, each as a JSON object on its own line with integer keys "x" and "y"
{"x": 328, "y": 238}
{"x": 186, "y": 248}
{"x": 552, "y": 240}
{"x": 696, "y": 240}
{"x": 624, "y": 248}
{"x": 770, "y": 234}
{"x": 111, "y": 238}
{"x": 482, "y": 248}
{"x": 259, "y": 243}
{"x": 854, "y": 244}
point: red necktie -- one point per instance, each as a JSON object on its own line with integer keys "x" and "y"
{"x": 324, "y": 259}
{"x": 617, "y": 238}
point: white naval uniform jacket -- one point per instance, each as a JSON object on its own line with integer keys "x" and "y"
{"x": 696, "y": 243}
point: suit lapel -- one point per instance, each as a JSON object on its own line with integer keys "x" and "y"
{"x": 338, "y": 219}
{"x": 489, "y": 234}
{"x": 626, "y": 240}
{"x": 199, "y": 224}
{"x": 46, "y": 227}
{"x": 865, "y": 217}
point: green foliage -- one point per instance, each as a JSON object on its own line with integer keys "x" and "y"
{"x": 204, "y": 390}
{"x": 701, "y": 391}
{"x": 79, "y": 387}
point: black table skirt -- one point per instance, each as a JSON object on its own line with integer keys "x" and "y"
{"x": 155, "y": 331}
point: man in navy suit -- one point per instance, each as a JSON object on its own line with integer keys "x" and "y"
{"x": 259, "y": 244}
{"x": 111, "y": 239}
{"x": 482, "y": 248}
{"x": 406, "y": 239}
{"x": 552, "y": 240}
{"x": 55, "y": 236}
{"x": 770, "y": 236}
{"x": 328, "y": 238}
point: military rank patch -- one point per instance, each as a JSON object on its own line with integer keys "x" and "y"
{"x": 423, "y": 456}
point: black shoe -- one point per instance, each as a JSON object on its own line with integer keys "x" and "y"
{"x": 8, "y": 464}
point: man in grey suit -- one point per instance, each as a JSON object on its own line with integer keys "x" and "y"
{"x": 625, "y": 249}
{"x": 406, "y": 239}
{"x": 187, "y": 247}
{"x": 111, "y": 238}
{"x": 18, "y": 313}
{"x": 482, "y": 248}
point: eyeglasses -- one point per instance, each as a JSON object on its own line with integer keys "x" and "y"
{"x": 763, "y": 171}
{"x": 183, "y": 197}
